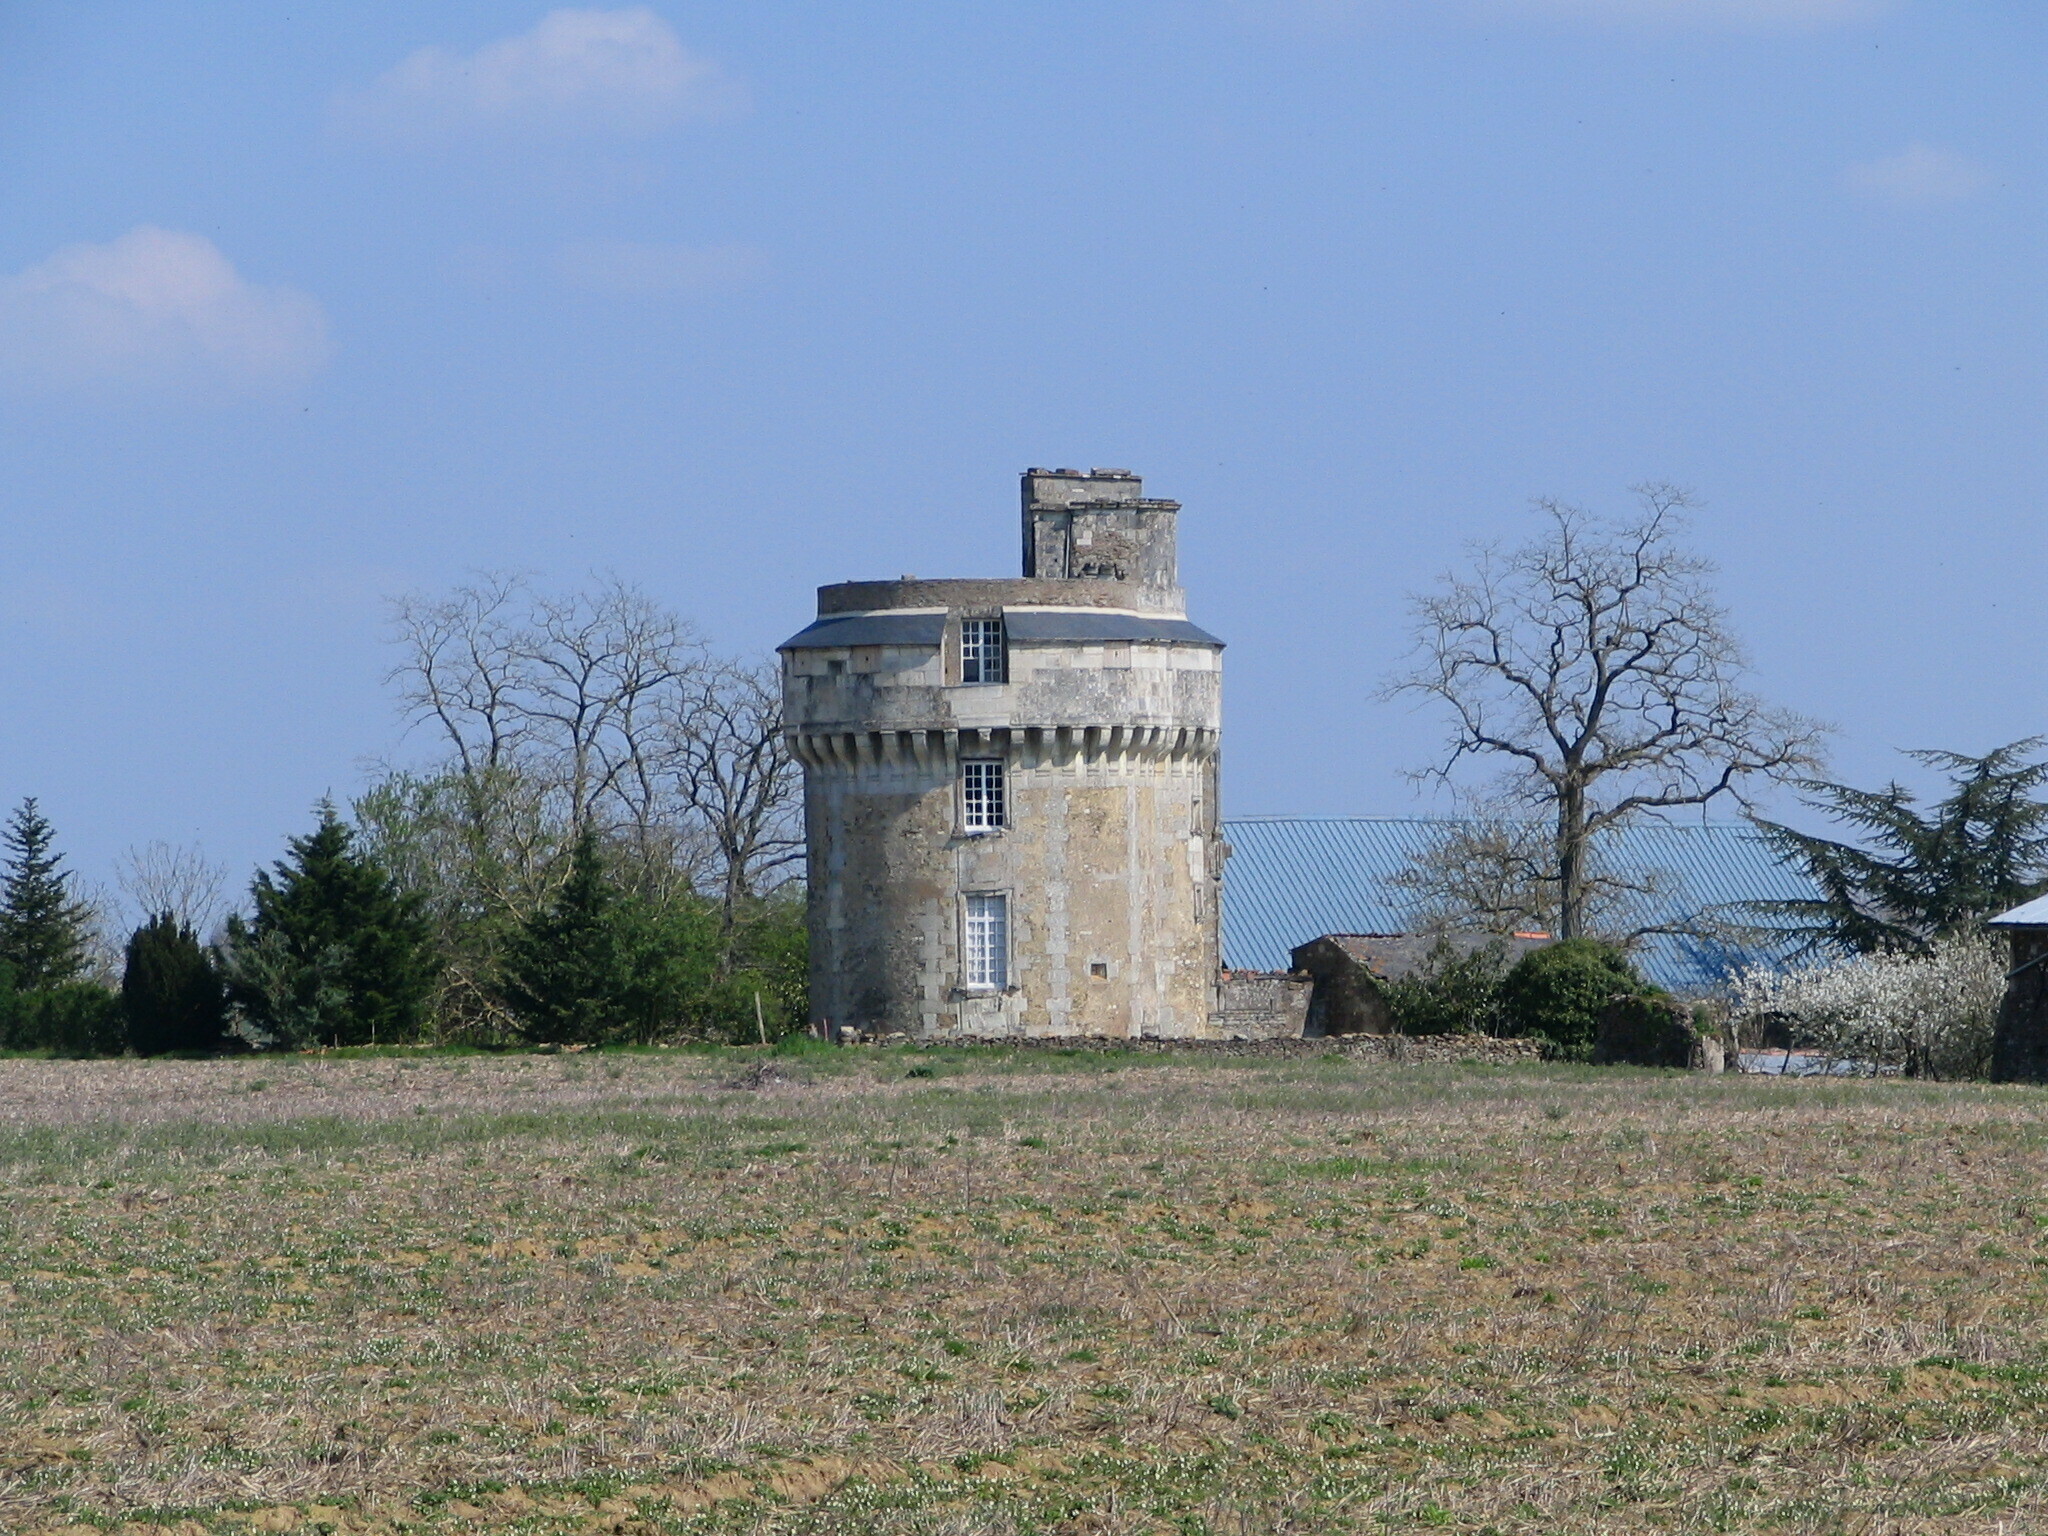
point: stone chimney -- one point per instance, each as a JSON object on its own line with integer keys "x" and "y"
{"x": 1100, "y": 526}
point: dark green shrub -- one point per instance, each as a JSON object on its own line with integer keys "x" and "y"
{"x": 1558, "y": 993}
{"x": 770, "y": 948}
{"x": 1646, "y": 1030}
{"x": 73, "y": 1018}
{"x": 10, "y": 1008}
{"x": 171, "y": 992}
{"x": 600, "y": 965}
{"x": 1455, "y": 993}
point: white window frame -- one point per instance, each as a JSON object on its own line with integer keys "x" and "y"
{"x": 985, "y": 941}
{"x": 984, "y": 651}
{"x": 984, "y": 794}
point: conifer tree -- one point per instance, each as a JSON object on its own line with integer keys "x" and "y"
{"x": 1919, "y": 877}
{"x": 334, "y": 955}
{"x": 576, "y": 971}
{"x": 170, "y": 990}
{"x": 43, "y": 931}
{"x": 10, "y": 1010}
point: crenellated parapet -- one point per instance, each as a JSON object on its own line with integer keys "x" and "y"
{"x": 1027, "y": 748}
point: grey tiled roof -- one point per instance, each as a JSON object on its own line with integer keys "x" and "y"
{"x": 868, "y": 629}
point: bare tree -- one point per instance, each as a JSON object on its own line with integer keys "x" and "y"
{"x": 734, "y": 772}
{"x": 464, "y": 669}
{"x": 178, "y": 879}
{"x": 1595, "y": 662}
{"x": 463, "y": 674}
{"x": 596, "y": 710}
{"x": 596, "y": 669}
{"x": 1486, "y": 872}
{"x": 1492, "y": 871}
{"x": 554, "y": 709}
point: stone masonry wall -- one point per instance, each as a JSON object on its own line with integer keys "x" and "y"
{"x": 1107, "y": 937}
{"x": 1398, "y": 1049}
{"x": 1261, "y": 1005}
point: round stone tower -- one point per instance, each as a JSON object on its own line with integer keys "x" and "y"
{"x": 1010, "y": 787}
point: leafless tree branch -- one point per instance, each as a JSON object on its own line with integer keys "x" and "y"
{"x": 591, "y": 710}
{"x": 1595, "y": 662}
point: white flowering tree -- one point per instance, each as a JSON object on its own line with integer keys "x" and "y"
{"x": 1928, "y": 1015}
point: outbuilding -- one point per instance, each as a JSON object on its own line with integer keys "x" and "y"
{"x": 1349, "y": 968}
{"x": 2019, "y": 1050}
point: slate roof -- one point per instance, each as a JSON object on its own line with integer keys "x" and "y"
{"x": 1291, "y": 879}
{"x": 1026, "y": 624}
{"x": 909, "y": 629}
{"x": 1101, "y": 624}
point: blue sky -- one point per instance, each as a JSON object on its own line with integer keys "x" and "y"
{"x": 304, "y": 306}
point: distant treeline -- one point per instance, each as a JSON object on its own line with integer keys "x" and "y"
{"x": 334, "y": 951}
{"x": 606, "y": 853}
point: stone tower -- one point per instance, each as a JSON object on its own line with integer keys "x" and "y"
{"x": 1010, "y": 787}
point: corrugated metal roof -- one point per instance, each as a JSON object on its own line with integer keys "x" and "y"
{"x": 1292, "y": 879}
{"x": 2028, "y": 914}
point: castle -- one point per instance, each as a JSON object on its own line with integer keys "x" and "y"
{"x": 1010, "y": 786}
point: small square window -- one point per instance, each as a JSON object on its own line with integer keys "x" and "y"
{"x": 981, "y": 651}
{"x": 982, "y": 797}
{"x": 986, "y": 940}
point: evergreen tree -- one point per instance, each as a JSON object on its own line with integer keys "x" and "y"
{"x": 1920, "y": 877}
{"x": 584, "y": 968}
{"x": 335, "y": 955}
{"x": 43, "y": 932}
{"x": 170, "y": 990}
{"x": 10, "y": 1011}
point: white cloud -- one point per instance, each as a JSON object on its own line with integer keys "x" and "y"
{"x": 157, "y": 308}
{"x": 1919, "y": 173}
{"x": 577, "y": 72}
{"x": 634, "y": 270}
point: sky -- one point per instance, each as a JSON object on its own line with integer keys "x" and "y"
{"x": 307, "y": 306}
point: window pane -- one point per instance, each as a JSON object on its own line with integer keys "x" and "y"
{"x": 981, "y": 650}
{"x": 981, "y": 795}
{"x": 987, "y": 941}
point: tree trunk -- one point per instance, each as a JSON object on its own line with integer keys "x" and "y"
{"x": 1571, "y": 861}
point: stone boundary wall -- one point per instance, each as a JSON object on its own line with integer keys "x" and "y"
{"x": 1261, "y": 1005}
{"x": 1390, "y": 1048}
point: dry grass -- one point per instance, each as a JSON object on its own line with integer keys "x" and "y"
{"x": 679, "y": 1293}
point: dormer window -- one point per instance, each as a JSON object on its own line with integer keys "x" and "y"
{"x": 981, "y": 651}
